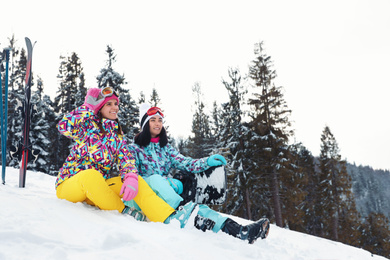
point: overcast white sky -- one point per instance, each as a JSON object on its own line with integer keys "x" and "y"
{"x": 331, "y": 57}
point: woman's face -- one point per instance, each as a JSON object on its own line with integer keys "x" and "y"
{"x": 110, "y": 109}
{"x": 155, "y": 126}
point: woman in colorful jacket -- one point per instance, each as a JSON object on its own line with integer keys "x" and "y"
{"x": 99, "y": 144}
{"x": 155, "y": 157}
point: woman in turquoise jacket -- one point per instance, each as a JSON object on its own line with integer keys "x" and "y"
{"x": 154, "y": 159}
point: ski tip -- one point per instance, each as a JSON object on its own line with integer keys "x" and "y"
{"x": 28, "y": 42}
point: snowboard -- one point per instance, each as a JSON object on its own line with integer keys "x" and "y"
{"x": 208, "y": 187}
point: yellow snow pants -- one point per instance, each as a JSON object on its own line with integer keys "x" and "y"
{"x": 89, "y": 186}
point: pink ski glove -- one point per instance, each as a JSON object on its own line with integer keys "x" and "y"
{"x": 129, "y": 187}
{"x": 90, "y": 99}
{"x": 93, "y": 102}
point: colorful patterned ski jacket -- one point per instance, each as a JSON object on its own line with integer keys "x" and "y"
{"x": 154, "y": 159}
{"x": 93, "y": 149}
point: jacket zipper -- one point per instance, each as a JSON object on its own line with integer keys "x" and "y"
{"x": 154, "y": 156}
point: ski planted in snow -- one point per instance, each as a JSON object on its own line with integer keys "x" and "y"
{"x": 26, "y": 149}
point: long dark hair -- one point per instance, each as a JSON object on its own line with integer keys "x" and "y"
{"x": 143, "y": 138}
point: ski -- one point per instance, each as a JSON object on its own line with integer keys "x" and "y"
{"x": 1, "y": 112}
{"x": 4, "y": 116}
{"x": 27, "y": 117}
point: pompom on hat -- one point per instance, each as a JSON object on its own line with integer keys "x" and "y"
{"x": 95, "y": 101}
{"x": 146, "y": 112}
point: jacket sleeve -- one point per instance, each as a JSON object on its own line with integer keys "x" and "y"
{"x": 126, "y": 162}
{"x": 184, "y": 163}
{"x": 73, "y": 125}
{"x": 133, "y": 150}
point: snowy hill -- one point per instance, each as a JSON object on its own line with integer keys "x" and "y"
{"x": 34, "y": 224}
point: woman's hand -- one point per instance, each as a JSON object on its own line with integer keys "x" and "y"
{"x": 91, "y": 99}
{"x": 130, "y": 187}
{"x": 216, "y": 160}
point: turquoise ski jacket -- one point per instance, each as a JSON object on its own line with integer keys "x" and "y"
{"x": 154, "y": 159}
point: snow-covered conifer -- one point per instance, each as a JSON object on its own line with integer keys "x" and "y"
{"x": 128, "y": 115}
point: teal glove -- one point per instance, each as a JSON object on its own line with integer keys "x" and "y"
{"x": 176, "y": 184}
{"x": 216, "y": 160}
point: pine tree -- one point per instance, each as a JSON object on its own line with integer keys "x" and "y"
{"x": 15, "y": 82}
{"x": 334, "y": 189}
{"x": 52, "y": 135}
{"x": 182, "y": 146}
{"x": 294, "y": 184}
{"x": 270, "y": 125}
{"x": 201, "y": 143}
{"x": 311, "y": 219}
{"x": 68, "y": 97}
{"x": 216, "y": 121}
{"x": 16, "y": 97}
{"x": 141, "y": 98}
{"x": 80, "y": 95}
{"x": 39, "y": 134}
{"x": 154, "y": 99}
{"x": 72, "y": 90}
{"x": 232, "y": 138}
{"x": 349, "y": 221}
{"x": 329, "y": 166}
{"x": 376, "y": 234}
{"x": 129, "y": 111}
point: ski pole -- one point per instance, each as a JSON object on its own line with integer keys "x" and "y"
{"x": 5, "y": 117}
{"x": 1, "y": 115}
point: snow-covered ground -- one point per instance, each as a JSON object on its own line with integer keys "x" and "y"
{"x": 34, "y": 224}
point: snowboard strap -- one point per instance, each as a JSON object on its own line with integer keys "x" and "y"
{"x": 188, "y": 180}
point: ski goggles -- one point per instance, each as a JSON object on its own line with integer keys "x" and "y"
{"x": 106, "y": 92}
{"x": 154, "y": 110}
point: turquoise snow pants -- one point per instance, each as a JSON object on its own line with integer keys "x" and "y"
{"x": 164, "y": 190}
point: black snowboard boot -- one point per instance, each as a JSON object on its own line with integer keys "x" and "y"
{"x": 249, "y": 232}
{"x": 203, "y": 223}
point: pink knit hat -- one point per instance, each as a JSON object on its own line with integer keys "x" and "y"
{"x": 92, "y": 101}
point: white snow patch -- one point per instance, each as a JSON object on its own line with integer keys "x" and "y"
{"x": 35, "y": 224}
